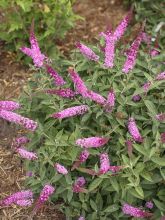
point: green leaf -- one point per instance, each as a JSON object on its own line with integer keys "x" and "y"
{"x": 146, "y": 176}
{"x": 141, "y": 149}
{"x": 160, "y": 205}
{"x": 93, "y": 205}
{"x": 114, "y": 183}
{"x": 69, "y": 195}
{"x": 135, "y": 194}
{"x": 111, "y": 208}
{"x": 158, "y": 160}
{"x": 95, "y": 183}
{"x": 139, "y": 190}
{"x": 151, "y": 107}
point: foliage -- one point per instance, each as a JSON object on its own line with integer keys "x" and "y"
{"x": 53, "y": 18}
{"x": 153, "y": 12}
{"x": 143, "y": 178}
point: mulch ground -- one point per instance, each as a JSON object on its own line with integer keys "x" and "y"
{"x": 13, "y": 76}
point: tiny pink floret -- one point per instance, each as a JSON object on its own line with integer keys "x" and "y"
{"x": 26, "y": 154}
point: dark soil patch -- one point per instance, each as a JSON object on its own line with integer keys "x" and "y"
{"x": 97, "y": 16}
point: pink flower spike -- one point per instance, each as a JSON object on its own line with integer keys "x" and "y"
{"x": 26, "y": 154}
{"x": 132, "y": 53}
{"x": 46, "y": 192}
{"x": 79, "y": 183}
{"x": 92, "y": 142}
{"x": 160, "y": 117}
{"x": 79, "y": 84}
{"x": 104, "y": 163}
{"x": 58, "y": 80}
{"x": 22, "y": 195}
{"x": 110, "y": 103}
{"x": 122, "y": 27}
{"x": 129, "y": 145}
{"x": 27, "y": 51}
{"x": 34, "y": 52}
{"x": 146, "y": 86}
{"x": 154, "y": 52}
{"x": 135, "y": 212}
{"x": 65, "y": 93}
{"x": 96, "y": 97}
{"x": 133, "y": 130}
{"x": 115, "y": 169}
{"x": 146, "y": 38}
{"x": 109, "y": 49}
{"x": 87, "y": 52}
{"x": 17, "y": 142}
{"x": 83, "y": 156}
{"x": 161, "y": 76}
{"x": 9, "y": 105}
{"x": 18, "y": 119}
{"x": 70, "y": 112}
{"x": 24, "y": 203}
{"x": 81, "y": 218}
{"x": 60, "y": 169}
{"x": 163, "y": 137}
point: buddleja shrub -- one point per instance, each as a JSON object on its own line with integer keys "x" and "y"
{"x": 100, "y": 135}
{"x": 53, "y": 19}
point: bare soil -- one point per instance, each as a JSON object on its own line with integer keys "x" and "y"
{"x": 13, "y": 76}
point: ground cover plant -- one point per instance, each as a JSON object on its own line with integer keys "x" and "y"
{"x": 97, "y": 122}
{"x": 53, "y": 19}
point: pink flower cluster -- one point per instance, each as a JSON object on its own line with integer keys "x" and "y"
{"x": 9, "y": 105}
{"x": 109, "y": 49}
{"x": 161, "y": 76}
{"x": 70, "y": 112}
{"x": 78, "y": 185}
{"x": 110, "y": 103}
{"x": 46, "y": 192}
{"x": 34, "y": 52}
{"x": 83, "y": 90}
{"x": 18, "y": 119}
{"x": 17, "y": 145}
{"x": 58, "y": 80}
{"x": 26, "y": 154}
{"x": 22, "y": 198}
{"x": 65, "y": 93}
{"x": 17, "y": 142}
{"x": 87, "y": 52}
{"x": 135, "y": 212}
{"x": 131, "y": 53}
{"x": 160, "y": 117}
{"x": 134, "y": 131}
{"x": 82, "y": 158}
{"x": 104, "y": 163}
{"x": 92, "y": 142}
{"x": 111, "y": 38}
{"x": 60, "y": 169}
{"x": 79, "y": 84}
